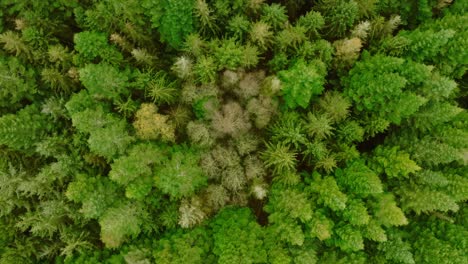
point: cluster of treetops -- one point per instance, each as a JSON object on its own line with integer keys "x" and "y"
{"x": 233, "y": 131}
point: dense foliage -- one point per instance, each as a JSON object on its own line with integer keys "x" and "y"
{"x": 233, "y": 131}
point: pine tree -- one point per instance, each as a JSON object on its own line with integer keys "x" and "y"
{"x": 17, "y": 81}
{"x": 22, "y": 130}
{"x": 279, "y": 158}
{"x": 339, "y": 15}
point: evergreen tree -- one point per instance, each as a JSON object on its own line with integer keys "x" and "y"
{"x": 22, "y": 130}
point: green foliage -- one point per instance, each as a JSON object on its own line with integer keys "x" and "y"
{"x": 382, "y": 85}
{"x": 448, "y": 147}
{"x": 359, "y": 179}
{"x": 427, "y": 44}
{"x": 357, "y": 215}
{"x": 289, "y": 129}
{"x": 96, "y": 194}
{"x": 104, "y": 81}
{"x": 413, "y": 13}
{"x": 13, "y": 43}
{"x": 329, "y": 193}
{"x": 320, "y": 226}
{"x": 349, "y": 239}
{"x": 235, "y": 234}
{"x": 228, "y": 54}
{"x": 17, "y": 82}
{"x": 290, "y": 202}
{"x": 312, "y": 22}
{"x": 90, "y": 119}
{"x": 439, "y": 241}
{"x": 388, "y": 213}
{"x": 335, "y": 106}
{"x": 108, "y": 134}
{"x": 205, "y": 69}
{"x": 261, "y": 35}
{"x": 288, "y": 208}
{"x": 394, "y": 163}
{"x": 120, "y": 223}
{"x": 93, "y": 45}
{"x": 339, "y": 15}
{"x": 154, "y": 10}
{"x": 275, "y": 15}
{"x": 79, "y": 102}
{"x": 279, "y": 158}
{"x": 199, "y": 134}
{"x": 395, "y": 249}
{"x": 180, "y": 176}
{"x": 318, "y": 126}
{"x": 22, "y": 130}
{"x": 350, "y": 131}
{"x": 440, "y": 43}
{"x": 173, "y": 19}
{"x": 151, "y": 125}
{"x": 301, "y": 83}
{"x": 435, "y": 114}
{"x": 110, "y": 140}
{"x": 56, "y": 80}
{"x": 425, "y": 200}
{"x": 178, "y": 247}
{"x": 134, "y": 170}
{"x": 239, "y": 26}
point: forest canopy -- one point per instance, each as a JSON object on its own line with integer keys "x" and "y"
{"x": 233, "y": 131}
